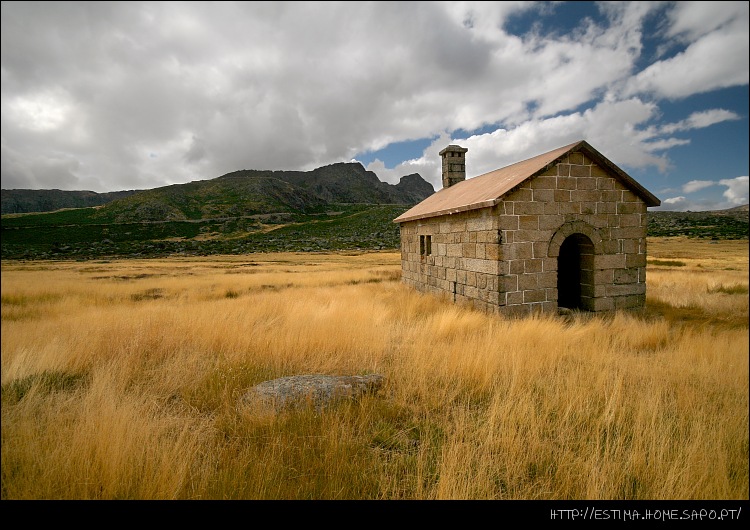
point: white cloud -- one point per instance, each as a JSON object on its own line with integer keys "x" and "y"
{"x": 737, "y": 190}
{"x": 695, "y": 185}
{"x": 41, "y": 112}
{"x": 692, "y": 20}
{"x": 700, "y": 120}
{"x": 679, "y": 77}
{"x": 735, "y": 194}
{"x": 683, "y": 204}
{"x": 674, "y": 201}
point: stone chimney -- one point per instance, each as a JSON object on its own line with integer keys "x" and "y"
{"x": 454, "y": 165}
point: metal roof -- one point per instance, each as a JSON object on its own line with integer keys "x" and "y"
{"x": 488, "y": 189}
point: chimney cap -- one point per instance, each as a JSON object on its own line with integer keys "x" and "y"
{"x": 454, "y": 148}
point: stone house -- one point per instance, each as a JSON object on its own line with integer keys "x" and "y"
{"x": 562, "y": 230}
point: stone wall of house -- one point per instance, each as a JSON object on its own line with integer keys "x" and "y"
{"x": 461, "y": 260}
{"x": 505, "y": 258}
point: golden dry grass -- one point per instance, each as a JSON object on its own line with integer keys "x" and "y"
{"x": 120, "y": 380}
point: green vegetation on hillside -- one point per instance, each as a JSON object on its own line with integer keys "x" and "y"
{"x": 726, "y": 224}
{"x": 336, "y": 207}
{"x": 89, "y": 233}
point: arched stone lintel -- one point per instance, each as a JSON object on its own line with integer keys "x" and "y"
{"x": 570, "y": 228}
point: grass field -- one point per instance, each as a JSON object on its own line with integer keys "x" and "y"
{"x": 121, "y": 380}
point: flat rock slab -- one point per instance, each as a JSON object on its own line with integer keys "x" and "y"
{"x": 316, "y": 390}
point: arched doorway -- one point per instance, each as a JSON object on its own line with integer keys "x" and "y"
{"x": 575, "y": 273}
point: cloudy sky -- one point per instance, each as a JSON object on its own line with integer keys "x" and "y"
{"x": 109, "y": 96}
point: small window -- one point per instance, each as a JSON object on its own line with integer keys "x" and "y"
{"x": 425, "y": 245}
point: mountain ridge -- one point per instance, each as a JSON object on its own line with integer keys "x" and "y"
{"x": 242, "y": 192}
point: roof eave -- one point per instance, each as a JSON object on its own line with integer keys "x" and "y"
{"x": 448, "y": 211}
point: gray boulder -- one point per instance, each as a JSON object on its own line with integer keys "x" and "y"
{"x": 314, "y": 390}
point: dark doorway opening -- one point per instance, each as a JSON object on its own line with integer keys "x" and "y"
{"x": 575, "y": 273}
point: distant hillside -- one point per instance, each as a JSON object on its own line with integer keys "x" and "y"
{"x": 28, "y": 201}
{"x": 731, "y": 223}
{"x": 336, "y": 207}
{"x": 236, "y": 194}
